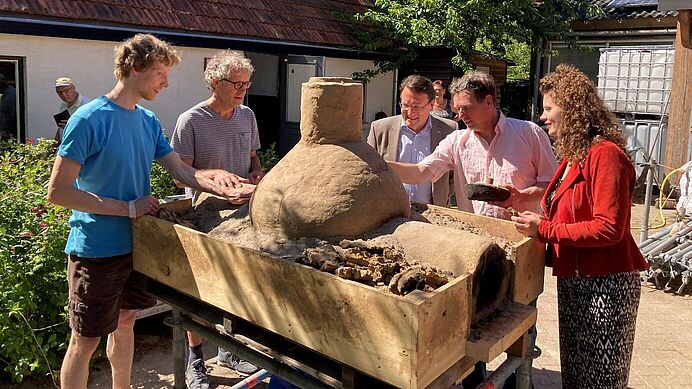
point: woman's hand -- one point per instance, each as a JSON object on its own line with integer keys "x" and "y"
{"x": 527, "y": 223}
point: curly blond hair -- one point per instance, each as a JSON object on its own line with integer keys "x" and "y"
{"x": 140, "y": 52}
{"x": 586, "y": 120}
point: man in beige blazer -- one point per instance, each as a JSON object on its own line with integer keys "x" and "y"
{"x": 414, "y": 135}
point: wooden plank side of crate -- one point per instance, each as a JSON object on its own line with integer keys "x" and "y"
{"x": 458, "y": 371}
{"x": 528, "y": 257}
{"x": 511, "y": 321}
{"x": 498, "y": 227}
{"x": 444, "y": 324}
{"x": 368, "y": 329}
{"x": 529, "y": 271}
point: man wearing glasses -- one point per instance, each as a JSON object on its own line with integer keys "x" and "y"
{"x": 219, "y": 136}
{"x": 494, "y": 149}
{"x": 413, "y": 135}
{"x": 497, "y": 150}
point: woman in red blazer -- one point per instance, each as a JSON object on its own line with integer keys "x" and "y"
{"x": 587, "y": 209}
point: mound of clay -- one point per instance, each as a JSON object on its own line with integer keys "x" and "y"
{"x": 332, "y": 183}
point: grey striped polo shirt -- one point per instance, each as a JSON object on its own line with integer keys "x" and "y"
{"x": 213, "y": 142}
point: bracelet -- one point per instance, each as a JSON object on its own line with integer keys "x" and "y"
{"x": 131, "y": 209}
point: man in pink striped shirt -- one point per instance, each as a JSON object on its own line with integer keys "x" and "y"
{"x": 511, "y": 153}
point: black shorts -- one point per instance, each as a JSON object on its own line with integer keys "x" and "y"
{"x": 99, "y": 288}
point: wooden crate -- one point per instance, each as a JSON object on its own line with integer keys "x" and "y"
{"x": 528, "y": 257}
{"x": 406, "y": 341}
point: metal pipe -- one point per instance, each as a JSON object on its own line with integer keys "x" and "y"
{"x": 652, "y": 243}
{"x": 666, "y": 242}
{"x": 500, "y": 375}
{"x": 178, "y": 349}
{"x": 661, "y": 246}
{"x": 687, "y": 236}
{"x": 677, "y": 247}
{"x": 649, "y": 243}
{"x": 669, "y": 252}
{"x": 268, "y": 363}
{"x": 656, "y": 237}
{"x": 252, "y": 381}
{"x": 687, "y": 256}
{"x": 647, "y": 200}
{"x": 523, "y": 376}
{"x": 685, "y": 230}
{"x": 684, "y": 250}
{"x": 535, "y": 81}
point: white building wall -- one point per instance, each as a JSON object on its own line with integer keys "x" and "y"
{"x": 90, "y": 64}
{"x": 379, "y": 93}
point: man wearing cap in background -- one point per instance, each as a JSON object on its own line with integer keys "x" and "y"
{"x": 71, "y": 100}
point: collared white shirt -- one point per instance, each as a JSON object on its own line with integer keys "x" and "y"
{"x": 413, "y": 148}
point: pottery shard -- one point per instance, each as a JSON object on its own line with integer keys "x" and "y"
{"x": 485, "y": 192}
{"x": 332, "y": 183}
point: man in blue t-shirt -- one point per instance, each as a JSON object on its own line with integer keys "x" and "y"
{"x": 102, "y": 173}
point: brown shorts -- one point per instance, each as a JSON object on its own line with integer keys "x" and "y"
{"x": 99, "y": 288}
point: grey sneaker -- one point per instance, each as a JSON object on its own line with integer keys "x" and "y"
{"x": 231, "y": 361}
{"x": 196, "y": 375}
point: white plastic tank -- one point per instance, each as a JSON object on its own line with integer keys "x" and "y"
{"x": 646, "y": 140}
{"x": 636, "y": 79}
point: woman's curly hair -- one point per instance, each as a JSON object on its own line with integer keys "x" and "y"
{"x": 585, "y": 118}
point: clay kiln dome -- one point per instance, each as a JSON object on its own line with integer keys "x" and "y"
{"x": 332, "y": 183}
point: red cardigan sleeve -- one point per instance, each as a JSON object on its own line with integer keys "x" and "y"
{"x": 610, "y": 177}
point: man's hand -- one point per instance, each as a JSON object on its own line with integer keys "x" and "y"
{"x": 239, "y": 195}
{"x": 62, "y": 124}
{"x": 513, "y": 199}
{"x": 147, "y": 205}
{"x": 227, "y": 179}
{"x": 256, "y": 176}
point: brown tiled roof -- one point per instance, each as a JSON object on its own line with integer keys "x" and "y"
{"x": 307, "y": 21}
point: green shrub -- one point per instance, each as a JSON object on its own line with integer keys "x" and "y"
{"x": 33, "y": 286}
{"x": 268, "y": 157}
{"x": 162, "y": 184}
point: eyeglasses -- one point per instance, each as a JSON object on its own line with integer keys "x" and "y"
{"x": 412, "y": 107}
{"x": 238, "y": 85}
